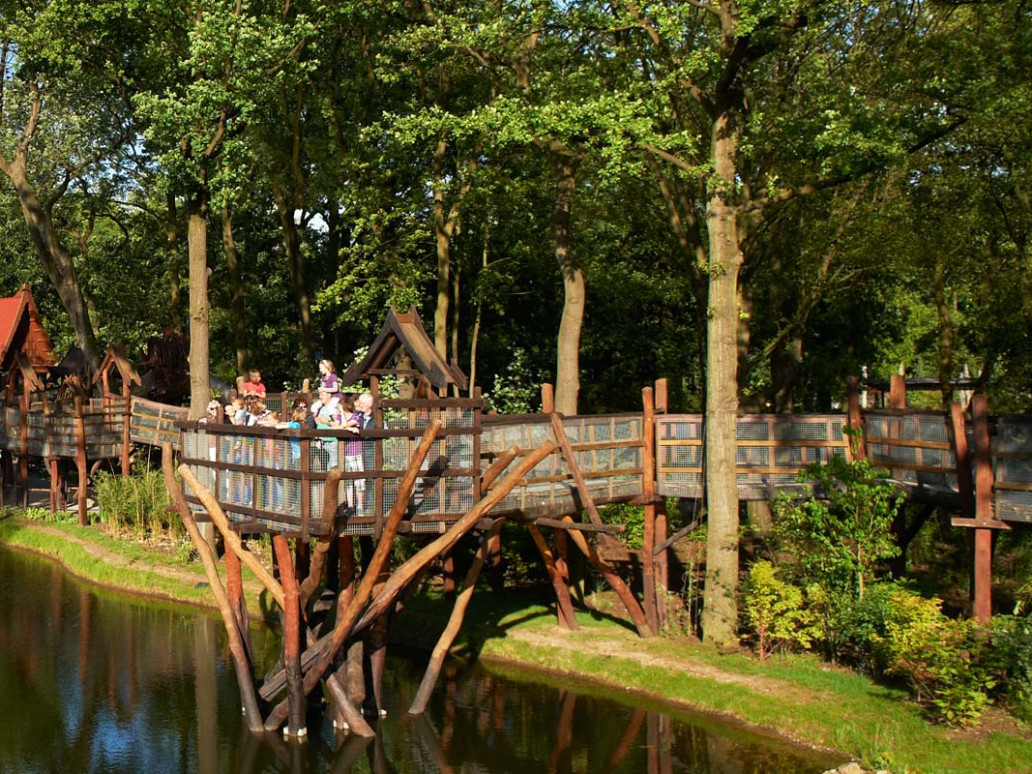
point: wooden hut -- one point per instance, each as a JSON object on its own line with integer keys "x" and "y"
{"x": 21, "y": 332}
{"x": 404, "y": 350}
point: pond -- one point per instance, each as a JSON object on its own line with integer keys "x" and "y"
{"x": 93, "y": 681}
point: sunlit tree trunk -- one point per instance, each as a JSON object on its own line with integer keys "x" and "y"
{"x": 197, "y": 236}
{"x": 567, "y": 380}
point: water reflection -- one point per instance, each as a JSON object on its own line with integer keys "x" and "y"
{"x": 100, "y": 683}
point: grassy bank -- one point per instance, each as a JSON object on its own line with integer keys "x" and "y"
{"x": 795, "y": 697}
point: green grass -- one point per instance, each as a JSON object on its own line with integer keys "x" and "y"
{"x": 805, "y": 700}
{"x": 134, "y": 572}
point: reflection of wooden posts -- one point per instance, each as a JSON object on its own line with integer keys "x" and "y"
{"x": 662, "y": 556}
{"x": 858, "y": 446}
{"x": 242, "y": 663}
{"x": 648, "y": 491}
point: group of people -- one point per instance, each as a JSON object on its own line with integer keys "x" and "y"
{"x": 332, "y": 410}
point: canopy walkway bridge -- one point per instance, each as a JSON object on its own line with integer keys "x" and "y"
{"x": 439, "y": 468}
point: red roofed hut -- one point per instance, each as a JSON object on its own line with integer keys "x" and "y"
{"x": 22, "y": 332}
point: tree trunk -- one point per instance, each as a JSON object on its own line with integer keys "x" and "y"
{"x": 172, "y": 251}
{"x": 200, "y": 392}
{"x": 296, "y": 263}
{"x": 567, "y": 378}
{"x": 720, "y": 613}
{"x": 236, "y": 291}
{"x": 56, "y": 260}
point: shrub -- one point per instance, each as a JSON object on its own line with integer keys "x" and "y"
{"x": 137, "y": 503}
{"x": 838, "y": 539}
{"x": 1009, "y": 653}
{"x": 774, "y": 610}
{"x": 942, "y": 660}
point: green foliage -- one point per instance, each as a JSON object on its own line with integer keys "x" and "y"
{"x": 136, "y": 503}
{"x": 517, "y": 390}
{"x": 775, "y": 611}
{"x": 837, "y": 536}
{"x": 1009, "y": 651}
{"x": 632, "y": 517}
{"x": 941, "y": 659}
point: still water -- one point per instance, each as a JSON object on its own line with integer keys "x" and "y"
{"x": 97, "y": 682}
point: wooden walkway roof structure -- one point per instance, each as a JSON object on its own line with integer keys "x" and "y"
{"x": 404, "y": 334}
{"x": 22, "y": 332}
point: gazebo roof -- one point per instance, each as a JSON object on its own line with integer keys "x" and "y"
{"x": 405, "y": 331}
{"x": 22, "y": 331}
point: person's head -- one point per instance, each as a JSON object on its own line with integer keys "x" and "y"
{"x": 213, "y": 409}
{"x": 364, "y": 403}
{"x": 251, "y": 404}
{"x": 326, "y": 366}
{"x": 299, "y": 414}
{"x": 254, "y": 376}
{"x": 237, "y": 403}
{"x": 324, "y": 396}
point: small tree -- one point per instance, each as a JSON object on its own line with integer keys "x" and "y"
{"x": 837, "y": 536}
{"x": 774, "y": 610}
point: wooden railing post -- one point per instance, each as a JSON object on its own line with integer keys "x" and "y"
{"x": 547, "y": 398}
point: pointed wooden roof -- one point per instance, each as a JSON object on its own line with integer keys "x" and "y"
{"x": 22, "y": 331}
{"x": 115, "y": 359}
{"x": 405, "y": 331}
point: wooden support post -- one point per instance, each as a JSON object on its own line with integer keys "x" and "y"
{"x": 127, "y": 413}
{"x": 962, "y": 459}
{"x": 345, "y": 623}
{"x": 648, "y": 488}
{"x": 547, "y": 398}
{"x": 243, "y": 667}
{"x": 563, "y": 601}
{"x": 898, "y": 391}
{"x": 983, "y": 573}
{"x": 235, "y": 593}
{"x": 615, "y": 582}
{"x": 858, "y": 448}
{"x": 433, "y": 669}
{"x": 291, "y": 640}
{"x": 54, "y": 466}
{"x": 80, "y": 460}
{"x": 23, "y": 449}
{"x": 559, "y": 433}
{"x": 662, "y": 557}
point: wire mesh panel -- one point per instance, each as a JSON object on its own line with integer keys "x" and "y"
{"x": 607, "y": 449}
{"x": 915, "y": 446}
{"x": 155, "y": 423}
{"x": 772, "y": 449}
{"x": 1012, "y": 469}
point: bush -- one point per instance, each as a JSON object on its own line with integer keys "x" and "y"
{"x": 1010, "y": 655}
{"x": 838, "y": 539}
{"x": 775, "y": 611}
{"x": 136, "y": 503}
{"x": 943, "y": 661}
